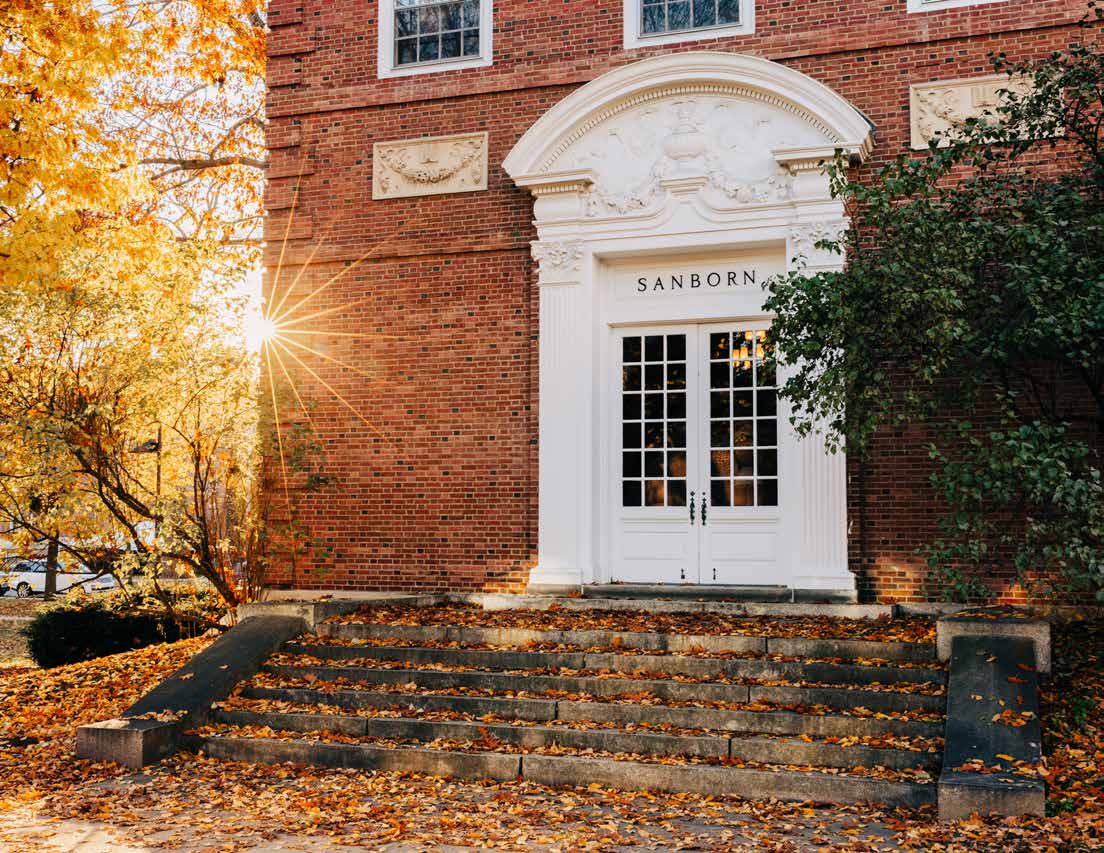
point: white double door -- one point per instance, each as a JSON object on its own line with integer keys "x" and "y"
{"x": 696, "y": 455}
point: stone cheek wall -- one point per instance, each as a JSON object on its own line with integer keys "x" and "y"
{"x": 439, "y": 492}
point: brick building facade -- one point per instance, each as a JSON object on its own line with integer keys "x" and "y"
{"x": 526, "y": 387}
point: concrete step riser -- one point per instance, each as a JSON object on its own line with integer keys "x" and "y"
{"x": 544, "y": 710}
{"x": 725, "y": 781}
{"x": 767, "y": 750}
{"x": 844, "y": 699}
{"x": 667, "y": 664}
{"x": 487, "y": 734}
{"x": 576, "y": 771}
{"x": 764, "y": 722}
{"x": 448, "y": 657}
{"x": 530, "y": 710}
{"x": 456, "y": 765}
{"x": 607, "y": 687}
{"x": 706, "y": 668}
{"x": 674, "y": 643}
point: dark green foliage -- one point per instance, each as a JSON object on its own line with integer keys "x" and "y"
{"x": 81, "y": 627}
{"x": 973, "y": 301}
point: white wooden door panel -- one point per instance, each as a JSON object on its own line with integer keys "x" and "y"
{"x": 696, "y": 456}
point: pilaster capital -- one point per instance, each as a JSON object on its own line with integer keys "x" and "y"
{"x": 559, "y": 261}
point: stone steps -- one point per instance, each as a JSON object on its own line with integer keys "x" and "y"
{"x": 663, "y": 689}
{"x": 555, "y": 770}
{"x": 756, "y": 748}
{"x": 777, "y": 722}
{"x": 629, "y": 709}
{"x": 668, "y": 664}
{"x": 647, "y": 641}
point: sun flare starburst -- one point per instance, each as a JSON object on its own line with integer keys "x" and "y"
{"x": 277, "y": 331}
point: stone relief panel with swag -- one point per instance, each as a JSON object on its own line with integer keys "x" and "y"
{"x": 726, "y": 139}
{"x": 429, "y": 166}
{"x": 935, "y": 108}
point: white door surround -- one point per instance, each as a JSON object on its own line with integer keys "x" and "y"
{"x": 694, "y": 168}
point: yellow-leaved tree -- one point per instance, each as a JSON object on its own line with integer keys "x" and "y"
{"x": 131, "y": 158}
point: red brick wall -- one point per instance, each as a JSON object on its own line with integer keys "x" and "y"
{"x": 436, "y": 486}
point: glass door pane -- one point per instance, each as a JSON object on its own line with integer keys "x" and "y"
{"x": 653, "y": 420}
{"x": 742, "y": 420}
{"x": 739, "y": 539}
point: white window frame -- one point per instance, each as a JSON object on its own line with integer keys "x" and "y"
{"x": 634, "y": 39}
{"x": 940, "y": 5}
{"x": 386, "y": 66}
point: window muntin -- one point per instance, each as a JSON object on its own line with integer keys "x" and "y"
{"x": 660, "y": 17}
{"x": 433, "y": 36}
{"x": 743, "y": 420}
{"x": 428, "y": 31}
{"x": 653, "y": 420}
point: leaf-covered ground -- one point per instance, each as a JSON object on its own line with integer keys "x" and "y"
{"x": 47, "y": 798}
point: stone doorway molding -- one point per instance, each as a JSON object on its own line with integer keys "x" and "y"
{"x": 700, "y": 152}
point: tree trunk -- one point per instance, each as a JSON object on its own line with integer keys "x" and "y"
{"x": 51, "y": 568}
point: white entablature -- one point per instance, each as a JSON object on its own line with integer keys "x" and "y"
{"x": 704, "y": 161}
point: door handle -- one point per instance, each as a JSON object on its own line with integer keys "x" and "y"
{"x": 691, "y": 507}
{"x": 704, "y": 507}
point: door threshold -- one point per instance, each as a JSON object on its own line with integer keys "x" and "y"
{"x": 694, "y": 592}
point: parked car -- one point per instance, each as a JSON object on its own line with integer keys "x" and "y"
{"x": 28, "y": 577}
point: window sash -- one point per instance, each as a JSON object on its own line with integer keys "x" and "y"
{"x": 409, "y": 38}
{"x": 692, "y": 6}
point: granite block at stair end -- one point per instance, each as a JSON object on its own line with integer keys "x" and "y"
{"x": 993, "y": 739}
{"x": 977, "y": 623}
{"x": 132, "y": 743}
{"x": 149, "y": 730}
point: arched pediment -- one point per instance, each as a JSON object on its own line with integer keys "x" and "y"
{"x": 736, "y": 121}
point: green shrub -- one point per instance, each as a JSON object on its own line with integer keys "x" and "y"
{"x": 81, "y": 627}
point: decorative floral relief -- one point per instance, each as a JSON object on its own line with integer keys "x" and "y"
{"x": 557, "y": 257}
{"x": 726, "y": 140}
{"x": 804, "y": 237}
{"x": 430, "y": 166}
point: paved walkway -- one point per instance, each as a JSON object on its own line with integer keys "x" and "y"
{"x": 145, "y": 818}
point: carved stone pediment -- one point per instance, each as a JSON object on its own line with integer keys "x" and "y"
{"x": 430, "y": 166}
{"x": 723, "y": 136}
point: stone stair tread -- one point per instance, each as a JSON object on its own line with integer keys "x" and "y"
{"x": 689, "y": 650}
{"x": 542, "y": 709}
{"x": 840, "y": 697}
{"x": 706, "y": 669}
{"x": 843, "y": 648}
{"x": 627, "y": 772}
{"x": 576, "y": 734}
{"x": 764, "y": 677}
{"x": 626, "y": 618}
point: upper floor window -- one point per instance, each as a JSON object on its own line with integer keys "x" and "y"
{"x": 936, "y": 5}
{"x": 419, "y": 36}
{"x": 650, "y": 22}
